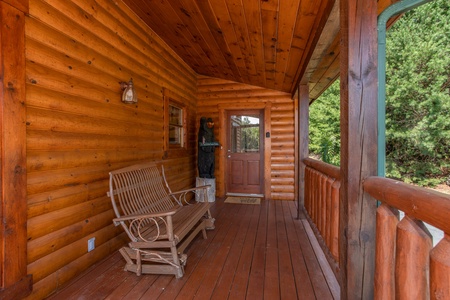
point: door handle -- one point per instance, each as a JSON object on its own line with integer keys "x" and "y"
{"x": 229, "y": 156}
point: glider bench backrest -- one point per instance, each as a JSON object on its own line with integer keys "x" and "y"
{"x": 159, "y": 223}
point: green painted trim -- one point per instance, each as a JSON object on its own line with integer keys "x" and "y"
{"x": 394, "y": 9}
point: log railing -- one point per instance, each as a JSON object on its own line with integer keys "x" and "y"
{"x": 406, "y": 264}
{"x": 322, "y": 183}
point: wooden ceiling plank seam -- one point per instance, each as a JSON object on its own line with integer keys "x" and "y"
{"x": 237, "y": 16}
{"x": 190, "y": 15}
{"x": 193, "y": 42}
{"x": 243, "y": 94}
{"x": 206, "y": 80}
{"x": 327, "y": 78}
{"x": 331, "y": 70}
{"x": 165, "y": 22}
{"x": 270, "y": 5}
{"x": 211, "y": 20}
{"x": 323, "y": 86}
{"x": 308, "y": 12}
{"x": 116, "y": 11}
{"x": 252, "y": 11}
{"x": 226, "y": 85}
{"x": 150, "y": 19}
{"x": 319, "y": 23}
{"x": 134, "y": 38}
{"x": 270, "y": 37}
{"x": 315, "y": 88}
{"x": 247, "y": 39}
{"x": 153, "y": 20}
{"x": 223, "y": 17}
{"x": 193, "y": 37}
{"x": 320, "y": 64}
{"x": 322, "y": 49}
{"x": 331, "y": 54}
{"x": 210, "y": 84}
{"x": 289, "y": 10}
{"x": 230, "y": 85}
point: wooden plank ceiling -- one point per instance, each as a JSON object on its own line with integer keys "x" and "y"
{"x": 268, "y": 43}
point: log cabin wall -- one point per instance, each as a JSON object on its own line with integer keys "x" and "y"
{"x": 77, "y": 52}
{"x": 216, "y": 94}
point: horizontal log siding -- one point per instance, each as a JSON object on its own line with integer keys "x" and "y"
{"x": 78, "y": 130}
{"x": 213, "y": 92}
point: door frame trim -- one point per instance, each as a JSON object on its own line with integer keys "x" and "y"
{"x": 223, "y": 109}
{"x": 260, "y": 154}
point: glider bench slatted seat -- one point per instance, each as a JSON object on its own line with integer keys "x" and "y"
{"x": 159, "y": 223}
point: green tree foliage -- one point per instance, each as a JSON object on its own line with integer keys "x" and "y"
{"x": 324, "y": 131}
{"x": 418, "y": 99}
{"x": 418, "y": 95}
{"x": 250, "y": 134}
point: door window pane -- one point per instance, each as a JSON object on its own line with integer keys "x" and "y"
{"x": 244, "y": 134}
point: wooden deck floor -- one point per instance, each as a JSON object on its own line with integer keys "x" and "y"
{"x": 255, "y": 252}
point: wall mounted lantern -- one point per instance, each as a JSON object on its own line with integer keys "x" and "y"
{"x": 129, "y": 95}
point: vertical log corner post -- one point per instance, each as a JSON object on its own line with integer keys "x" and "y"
{"x": 14, "y": 281}
{"x": 303, "y": 120}
{"x": 358, "y": 61}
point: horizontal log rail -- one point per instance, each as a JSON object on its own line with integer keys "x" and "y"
{"x": 324, "y": 168}
{"x": 406, "y": 264}
{"x": 322, "y": 184}
{"x": 421, "y": 203}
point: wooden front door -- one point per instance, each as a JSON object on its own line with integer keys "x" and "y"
{"x": 244, "y": 162}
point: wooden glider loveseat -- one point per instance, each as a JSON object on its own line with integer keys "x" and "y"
{"x": 160, "y": 223}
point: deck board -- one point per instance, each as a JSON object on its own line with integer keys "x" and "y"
{"x": 320, "y": 286}
{"x": 255, "y": 290}
{"x": 271, "y": 279}
{"x": 255, "y": 252}
{"x": 287, "y": 279}
{"x": 227, "y": 275}
{"x": 304, "y": 287}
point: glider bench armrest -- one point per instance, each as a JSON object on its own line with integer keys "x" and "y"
{"x": 182, "y": 194}
{"x": 145, "y": 216}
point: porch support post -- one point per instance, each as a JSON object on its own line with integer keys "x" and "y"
{"x": 358, "y": 146}
{"x": 14, "y": 282}
{"x": 303, "y": 117}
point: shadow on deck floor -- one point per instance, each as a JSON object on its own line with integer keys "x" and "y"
{"x": 255, "y": 252}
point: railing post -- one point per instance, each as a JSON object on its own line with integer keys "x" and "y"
{"x": 440, "y": 270}
{"x": 334, "y": 226}
{"x": 414, "y": 243}
{"x": 387, "y": 220}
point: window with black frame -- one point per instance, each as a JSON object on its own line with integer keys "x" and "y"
{"x": 176, "y": 128}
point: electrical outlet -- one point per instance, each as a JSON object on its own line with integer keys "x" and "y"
{"x": 91, "y": 244}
